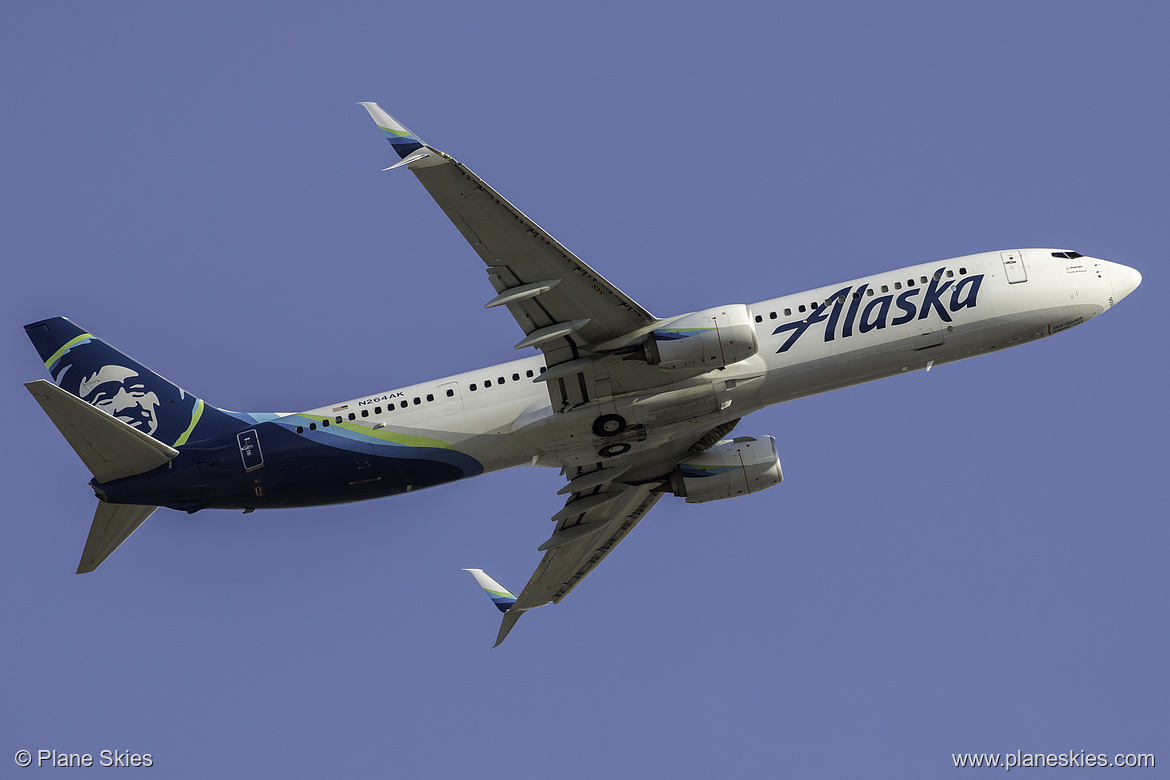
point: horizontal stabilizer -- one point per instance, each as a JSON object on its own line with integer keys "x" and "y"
{"x": 110, "y": 448}
{"x": 112, "y": 525}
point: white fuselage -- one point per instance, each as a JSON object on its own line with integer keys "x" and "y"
{"x": 810, "y": 342}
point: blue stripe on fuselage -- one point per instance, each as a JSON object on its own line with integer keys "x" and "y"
{"x": 297, "y": 471}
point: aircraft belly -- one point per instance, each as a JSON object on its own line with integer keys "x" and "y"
{"x": 689, "y": 408}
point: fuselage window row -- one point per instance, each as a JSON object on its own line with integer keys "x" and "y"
{"x": 857, "y": 295}
{"x": 417, "y": 400}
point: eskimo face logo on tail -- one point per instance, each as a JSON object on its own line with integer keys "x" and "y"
{"x": 845, "y": 320}
{"x": 99, "y": 376}
{"x": 120, "y": 392}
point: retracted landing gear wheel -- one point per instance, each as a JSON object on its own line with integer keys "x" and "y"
{"x": 613, "y": 450}
{"x": 609, "y": 425}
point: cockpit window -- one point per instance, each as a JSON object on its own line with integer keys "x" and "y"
{"x": 1067, "y": 255}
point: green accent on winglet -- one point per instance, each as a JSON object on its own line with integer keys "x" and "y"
{"x": 68, "y": 346}
{"x": 399, "y": 133}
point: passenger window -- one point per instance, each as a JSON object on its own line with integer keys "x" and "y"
{"x": 885, "y": 288}
{"x": 897, "y": 285}
{"x": 377, "y": 410}
{"x": 312, "y": 426}
{"x": 950, "y": 273}
{"x": 417, "y": 400}
{"x": 300, "y": 429}
{"x": 324, "y": 423}
{"x": 909, "y": 282}
{"x": 788, "y": 312}
{"x": 528, "y": 373}
{"x": 515, "y": 377}
{"x": 430, "y": 397}
{"x": 543, "y": 369}
{"x": 450, "y": 393}
{"x": 962, "y": 271}
{"x": 352, "y": 416}
{"x": 487, "y": 383}
{"x": 403, "y": 405}
{"x": 772, "y": 315}
{"x": 869, "y": 292}
{"x": 924, "y": 279}
{"x": 802, "y": 308}
{"x": 472, "y": 386}
{"x": 365, "y": 412}
{"x": 759, "y": 318}
{"x": 500, "y": 381}
{"x": 338, "y": 419}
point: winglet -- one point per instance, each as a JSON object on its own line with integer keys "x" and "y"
{"x": 502, "y": 598}
{"x": 406, "y": 143}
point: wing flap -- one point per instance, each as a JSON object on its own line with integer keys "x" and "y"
{"x": 566, "y": 564}
{"x": 503, "y": 235}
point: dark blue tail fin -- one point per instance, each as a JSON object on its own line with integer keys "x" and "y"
{"x": 102, "y": 376}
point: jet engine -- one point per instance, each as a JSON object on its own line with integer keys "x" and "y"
{"x": 706, "y": 339}
{"x": 733, "y": 467}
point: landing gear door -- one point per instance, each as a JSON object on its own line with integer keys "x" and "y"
{"x": 1013, "y": 266}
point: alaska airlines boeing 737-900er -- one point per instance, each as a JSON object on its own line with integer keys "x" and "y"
{"x": 627, "y": 405}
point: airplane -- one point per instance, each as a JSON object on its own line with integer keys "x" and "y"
{"x": 629, "y": 406}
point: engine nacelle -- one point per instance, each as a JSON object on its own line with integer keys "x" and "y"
{"x": 706, "y": 339}
{"x": 733, "y": 467}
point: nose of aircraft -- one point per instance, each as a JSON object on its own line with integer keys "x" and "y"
{"x": 1124, "y": 279}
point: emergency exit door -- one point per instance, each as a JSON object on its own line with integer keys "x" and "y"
{"x": 1013, "y": 266}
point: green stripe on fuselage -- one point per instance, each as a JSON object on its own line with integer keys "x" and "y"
{"x": 382, "y": 434}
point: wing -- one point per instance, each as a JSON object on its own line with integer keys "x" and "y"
{"x": 565, "y": 308}
{"x": 587, "y": 529}
{"x": 586, "y": 327}
{"x": 605, "y": 503}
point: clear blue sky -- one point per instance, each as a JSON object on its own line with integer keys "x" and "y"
{"x": 971, "y": 560}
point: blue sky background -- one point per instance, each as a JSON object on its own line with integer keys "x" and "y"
{"x": 971, "y": 560}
